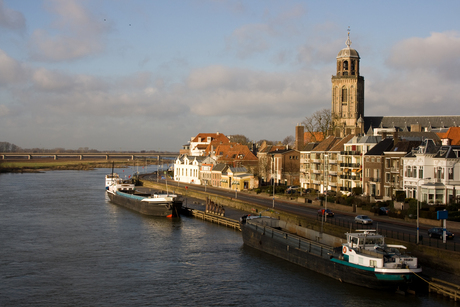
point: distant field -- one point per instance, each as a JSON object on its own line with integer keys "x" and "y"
{"x": 50, "y": 163}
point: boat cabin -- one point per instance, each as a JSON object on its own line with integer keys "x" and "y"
{"x": 367, "y": 248}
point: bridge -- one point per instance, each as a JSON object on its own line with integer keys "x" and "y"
{"x": 81, "y": 156}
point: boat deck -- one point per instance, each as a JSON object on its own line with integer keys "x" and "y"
{"x": 293, "y": 240}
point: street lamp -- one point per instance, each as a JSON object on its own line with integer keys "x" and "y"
{"x": 273, "y": 178}
{"x": 325, "y": 201}
{"x": 418, "y": 207}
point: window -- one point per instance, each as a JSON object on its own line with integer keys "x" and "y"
{"x": 344, "y": 94}
{"x": 451, "y": 173}
{"x": 387, "y": 177}
{"x": 420, "y": 172}
{"x": 388, "y": 163}
{"x": 414, "y": 171}
{"x": 345, "y": 65}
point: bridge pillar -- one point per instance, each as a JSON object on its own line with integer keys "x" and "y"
{"x": 55, "y": 157}
{"x": 81, "y": 157}
{"x": 158, "y": 159}
{"x": 107, "y": 157}
{"x": 132, "y": 157}
{"x": 29, "y": 157}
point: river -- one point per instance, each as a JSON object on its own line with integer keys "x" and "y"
{"x": 63, "y": 244}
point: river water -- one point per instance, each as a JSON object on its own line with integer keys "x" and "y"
{"x": 63, "y": 244}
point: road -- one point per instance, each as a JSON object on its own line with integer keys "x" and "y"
{"x": 389, "y": 227}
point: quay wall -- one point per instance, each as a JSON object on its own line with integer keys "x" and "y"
{"x": 436, "y": 258}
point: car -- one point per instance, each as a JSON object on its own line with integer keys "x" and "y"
{"x": 326, "y": 212}
{"x": 384, "y": 210}
{"x": 292, "y": 189}
{"x": 310, "y": 190}
{"x": 436, "y": 232}
{"x": 363, "y": 219}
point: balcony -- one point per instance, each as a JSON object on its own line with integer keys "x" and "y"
{"x": 350, "y": 177}
{"x": 395, "y": 170}
{"x": 316, "y": 171}
{"x": 332, "y": 161}
{"x": 345, "y": 189}
{"x": 375, "y": 179}
{"x": 351, "y": 153}
{"x": 352, "y": 165}
{"x": 316, "y": 160}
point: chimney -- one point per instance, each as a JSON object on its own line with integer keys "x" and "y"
{"x": 395, "y": 137}
{"x": 299, "y": 136}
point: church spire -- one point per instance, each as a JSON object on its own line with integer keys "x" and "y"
{"x": 348, "y": 42}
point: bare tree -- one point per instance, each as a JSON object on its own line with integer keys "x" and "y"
{"x": 239, "y": 138}
{"x": 322, "y": 121}
{"x": 289, "y": 140}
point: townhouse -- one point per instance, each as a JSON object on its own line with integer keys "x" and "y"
{"x": 432, "y": 173}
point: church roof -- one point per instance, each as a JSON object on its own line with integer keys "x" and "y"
{"x": 403, "y": 123}
{"x": 348, "y": 52}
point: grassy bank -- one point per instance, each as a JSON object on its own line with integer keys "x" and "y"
{"x": 22, "y": 166}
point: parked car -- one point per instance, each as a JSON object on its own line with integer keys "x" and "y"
{"x": 326, "y": 212}
{"x": 363, "y": 219}
{"x": 436, "y": 232}
{"x": 384, "y": 210}
{"x": 310, "y": 190}
{"x": 292, "y": 189}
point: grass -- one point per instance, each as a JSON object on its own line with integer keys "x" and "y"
{"x": 31, "y": 164}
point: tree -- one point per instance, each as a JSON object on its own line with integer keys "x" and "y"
{"x": 239, "y": 138}
{"x": 289, "y": 140}
{"x": 322, "y": 121}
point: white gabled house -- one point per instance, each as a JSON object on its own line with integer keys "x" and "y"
{"x": 432, "y": 173}
{"x": 187, "y": 168}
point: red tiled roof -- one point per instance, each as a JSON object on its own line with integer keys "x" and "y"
{"x": 453, "y": 134}
{"x": 214, "y": 137}
{"x": 309, "y": 137}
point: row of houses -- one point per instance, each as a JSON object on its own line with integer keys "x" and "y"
{"x": 210, "y": 159}
{"x": 423, "y": 165}
{"x": 419, "y": 165}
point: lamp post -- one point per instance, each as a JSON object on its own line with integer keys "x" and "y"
{"x": 325, "y": 201}
{"x": 273, "y": 180}
{"x": 418, "y": 207}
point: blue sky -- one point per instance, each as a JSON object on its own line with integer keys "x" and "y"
{"x": 148, "y": 75}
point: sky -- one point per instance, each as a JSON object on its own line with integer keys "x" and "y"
{"x": 149, "y": 75}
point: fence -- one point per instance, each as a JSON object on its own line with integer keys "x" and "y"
{"x": 399, "y": 235}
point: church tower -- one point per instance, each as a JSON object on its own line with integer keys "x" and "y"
{"x": 347, "y": 92}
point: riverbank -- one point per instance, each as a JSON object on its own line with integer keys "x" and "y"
{"x": 42, "y": 165}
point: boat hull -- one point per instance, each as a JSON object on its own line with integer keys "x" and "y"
{"x": 321, "y": 260}
{"x": 156, "y": 209}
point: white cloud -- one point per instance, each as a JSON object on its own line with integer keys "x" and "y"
{"x": 12, "y": 71}
{"x": 421, "y": 78}
{"x": 74, "y": 34}
{"x": 437, "y": 54}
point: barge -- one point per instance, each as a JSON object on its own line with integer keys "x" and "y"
{"x": 361, "y": 259}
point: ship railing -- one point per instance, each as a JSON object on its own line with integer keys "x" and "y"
{"x": 293, "y": 241}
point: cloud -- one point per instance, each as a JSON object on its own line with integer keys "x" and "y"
{"x": 252, "y": 39}
{"x": 74, "y": 34}
{"x": 11, "y": 19}
{"x": 13, "y": 72}
{"x": 437, "y": 54}
{"x": 421, "y": 78}
{"x": 224, "y": 91}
